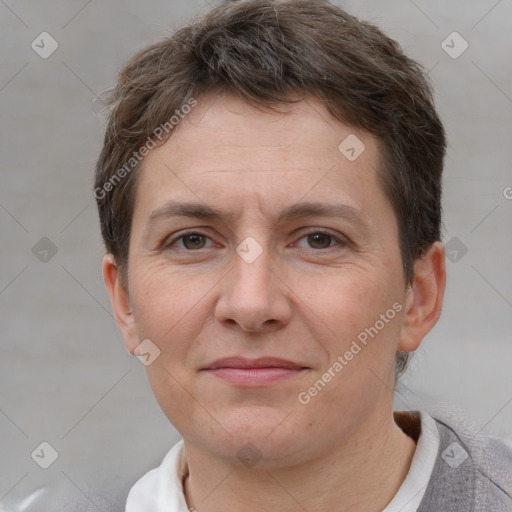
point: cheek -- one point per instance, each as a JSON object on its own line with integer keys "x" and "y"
{"x": 169, "y": 309}
{"x": 347, "y": 301}
{"x": 166, "y": 308}
{"x": 362, "y": 311}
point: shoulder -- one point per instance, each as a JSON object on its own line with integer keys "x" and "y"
{"x": 472, "y": 473}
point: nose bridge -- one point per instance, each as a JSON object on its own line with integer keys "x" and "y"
{"x": 252, "y": 296}
{"x": 251, "y": 282}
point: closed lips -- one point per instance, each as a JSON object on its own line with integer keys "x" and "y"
{"x": 264, "y": 362}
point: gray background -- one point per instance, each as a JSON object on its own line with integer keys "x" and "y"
{"x": 66, "y": 377}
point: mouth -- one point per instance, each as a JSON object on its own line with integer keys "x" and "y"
{"x": 254, "y": 372}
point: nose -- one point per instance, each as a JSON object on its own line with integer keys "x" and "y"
{"x": 254, "y": 297}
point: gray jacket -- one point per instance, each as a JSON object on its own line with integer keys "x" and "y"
{"x": 472, "y": 473}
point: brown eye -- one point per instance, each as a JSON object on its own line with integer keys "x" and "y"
{"x": 193, "y": 241}
{"x": 320, "y": 240}
{"x": 188, "y": 241}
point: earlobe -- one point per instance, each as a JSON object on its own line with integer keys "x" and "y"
{"x": 121, "y": 304}
{"x": 424, "y": 302}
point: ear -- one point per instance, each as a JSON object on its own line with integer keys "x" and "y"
{"x": 424, "y": 299}
{"x": 120, "y": 299}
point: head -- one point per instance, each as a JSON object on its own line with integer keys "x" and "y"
{"x": 248, "y": 112}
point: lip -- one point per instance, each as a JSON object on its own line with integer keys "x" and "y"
{"x": 254, "y": 372}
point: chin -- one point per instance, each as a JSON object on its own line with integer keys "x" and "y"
{"x": 261, "y": 451}
{"x": 255, "y": 433}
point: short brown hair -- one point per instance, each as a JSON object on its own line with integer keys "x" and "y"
{"x": 266, "y": 52}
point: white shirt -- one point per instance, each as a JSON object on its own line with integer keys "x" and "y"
{"x": 161, "y": 490}
{"x": 412, "y": 490}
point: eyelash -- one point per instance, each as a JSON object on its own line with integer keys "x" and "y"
{"x": 340, "y": 241}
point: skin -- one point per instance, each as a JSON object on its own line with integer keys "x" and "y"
{"x": 303, "y": 299}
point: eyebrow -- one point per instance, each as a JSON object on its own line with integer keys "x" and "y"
{"x": 200, "y": 210}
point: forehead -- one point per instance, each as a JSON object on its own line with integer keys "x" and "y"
{"x": 226, "y": 149}
{"x": 231, "y": 127}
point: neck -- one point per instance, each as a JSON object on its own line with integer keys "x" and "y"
{"x": 361, "y": 474}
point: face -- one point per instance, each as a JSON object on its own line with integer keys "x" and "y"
{"x": 285, "y": 255}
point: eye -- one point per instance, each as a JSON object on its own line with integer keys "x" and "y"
{"x": 322, "y": 240}
{"x": 191, "y": 241}
{"x": 194, "y": 241}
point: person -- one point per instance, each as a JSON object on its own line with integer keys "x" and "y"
{"x": 269, "y": 193}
